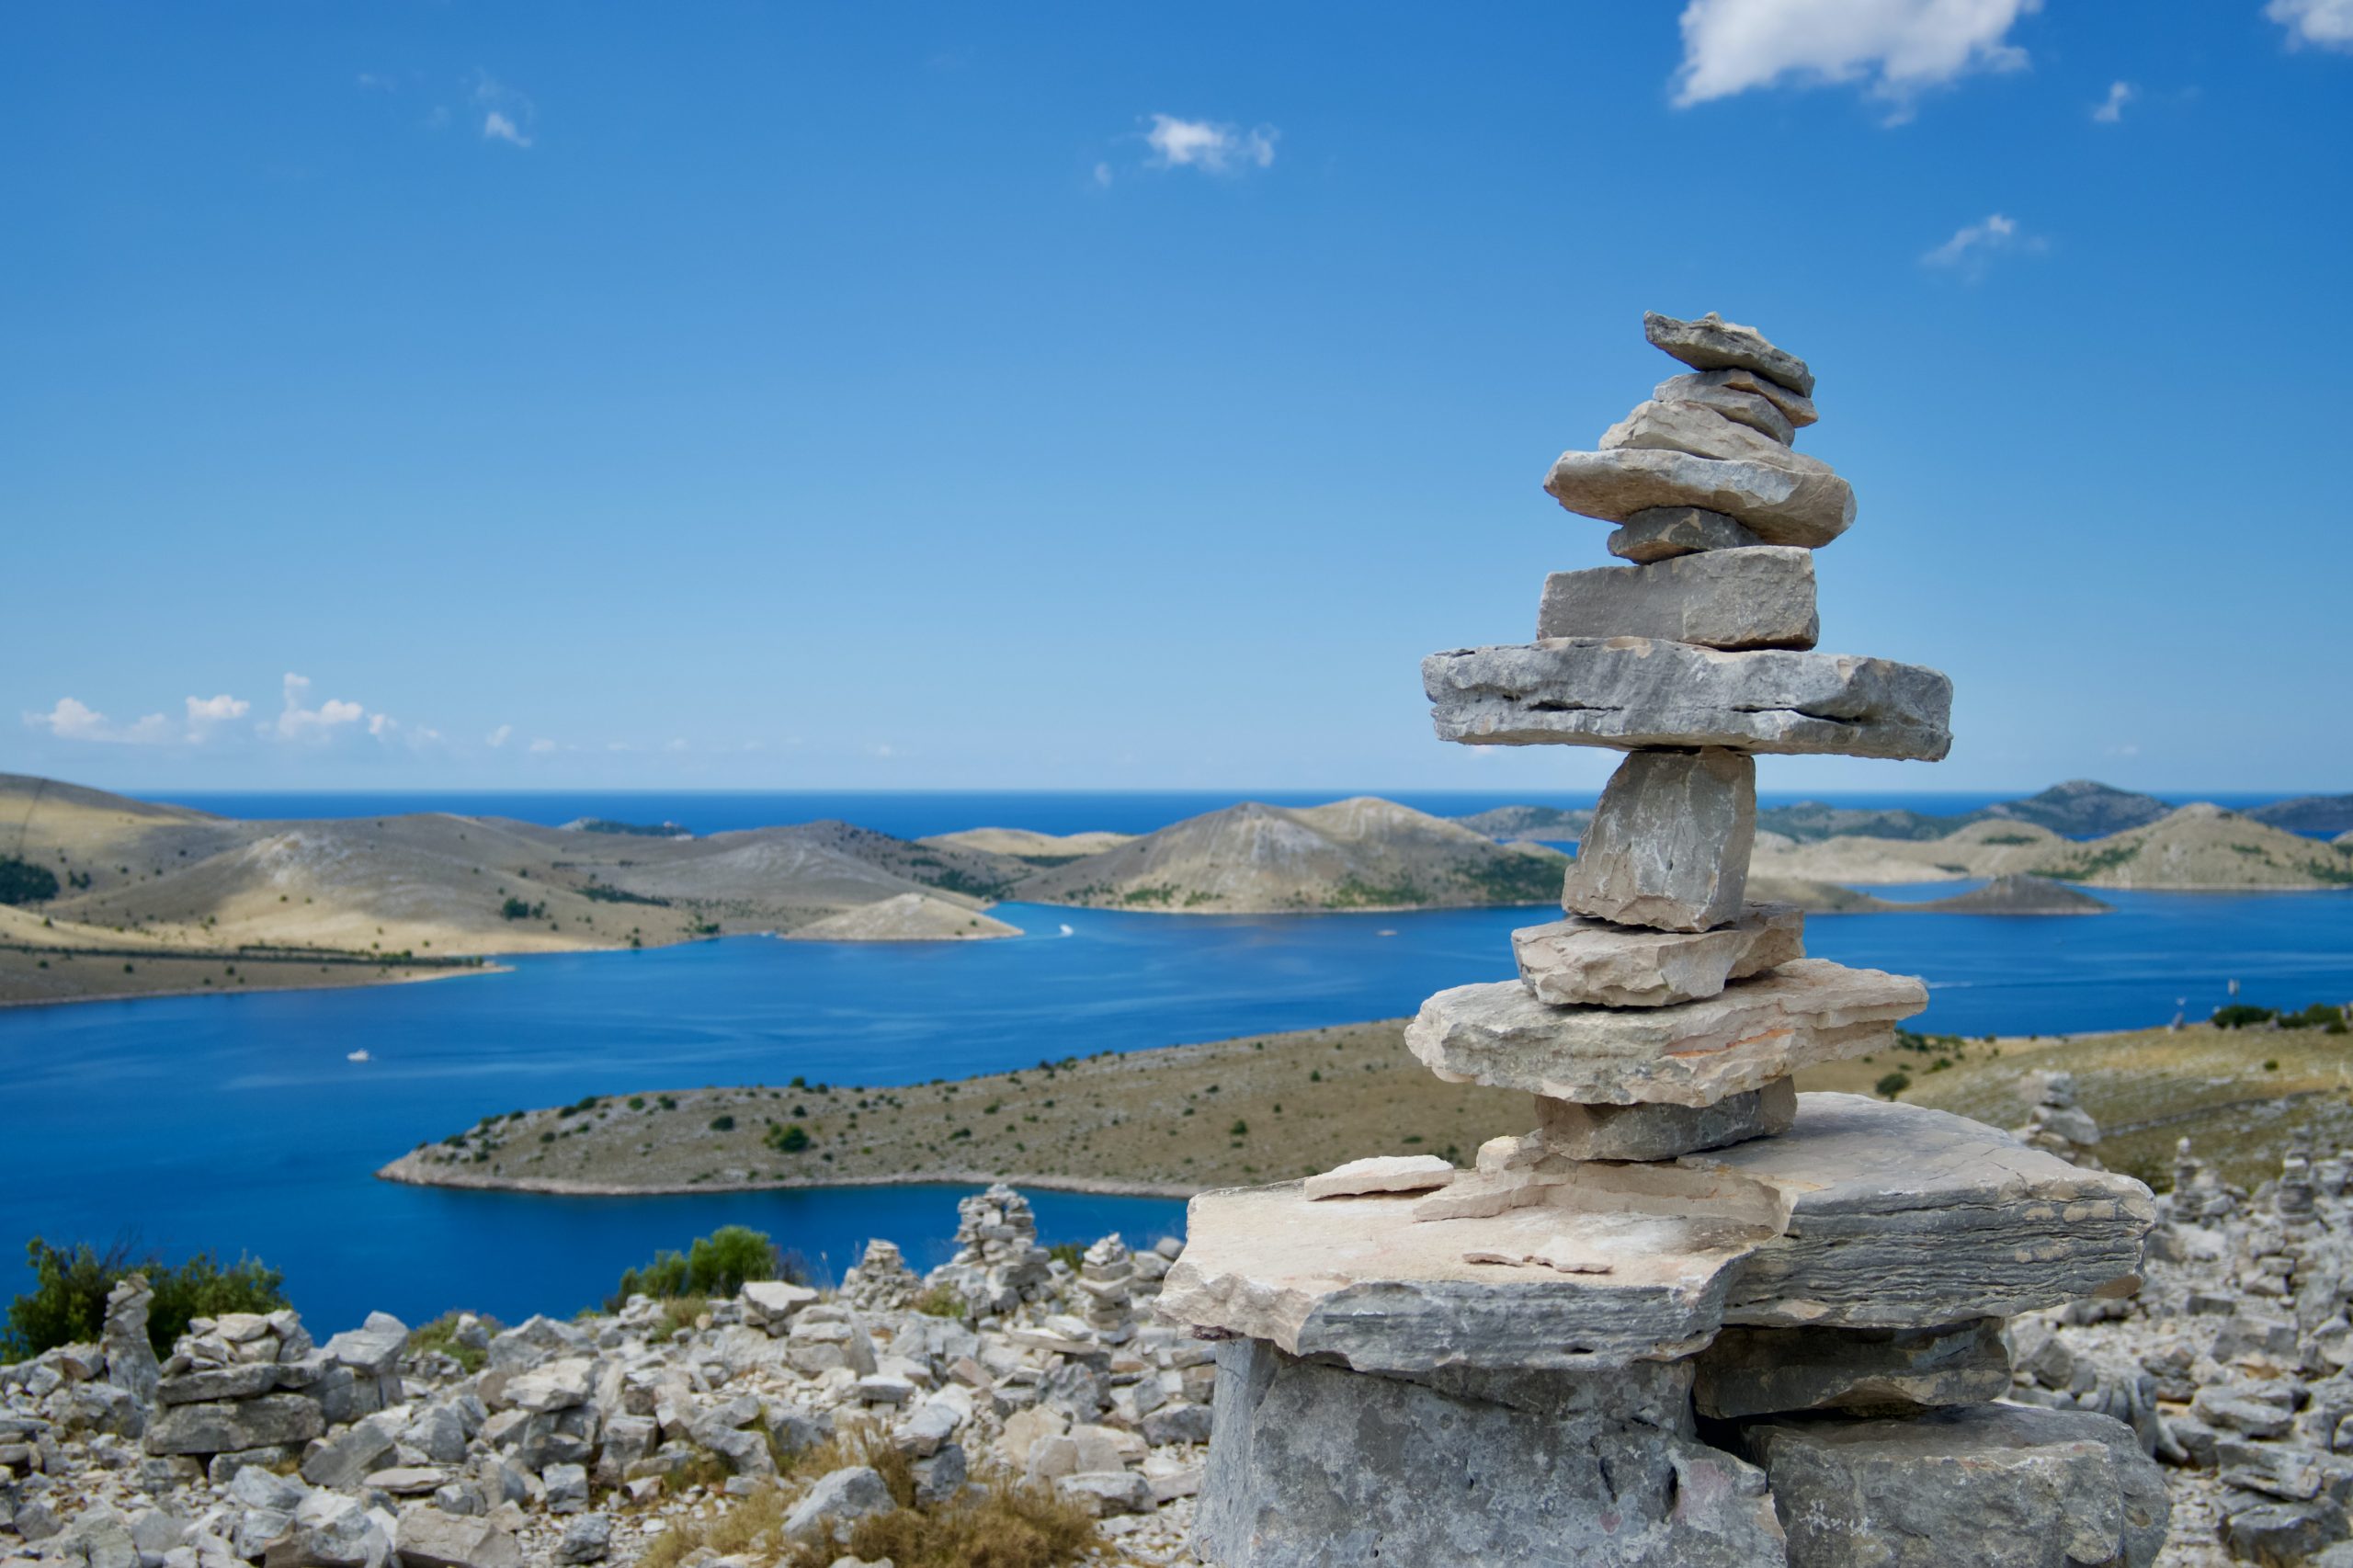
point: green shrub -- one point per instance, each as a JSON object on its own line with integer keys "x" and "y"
{"x": 68, "y": 1302}
{"x": 715, "y": 1265}
{"x": 21, "y": 881}
{"x": 1892, "y": 1085}
{"x": 441, "y": 1334}
{"x": 2239, "y": 1014}
{"x": 722, "y": 1124}
{"x": 789, "y": 1139}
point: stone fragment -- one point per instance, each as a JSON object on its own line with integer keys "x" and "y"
{"x": 1701, "y": 386}
{"x": 1865, "y": 1214}
{"x": 1779, "y": 503}
{"x": 840, "y": 1498}
{"x": 1581, "y": 962}
{"x": 1770, "y": 1372}
{"x": 1723, "y": 599}
{"x": 1636, "y": 692}
{"x": 1558, "y": 1253}
{"x": 1313, "y": 1465}
{"x": 242, "y": 1381}
{"x": 331, "y": 1530}
{"x": 1803, "y": 1012}
{"x": 1992, "y": 1486}
{"x": 588, "y": 1538}
{"x": 1382, "y": 1172}
{"x": 1108, "y": 1492}
{"x": 1708, "y": 390}
{"x": 1673, "y": 424}
{"x": 1664, "y": 533}
{"x": 220, "y": 1427}
{"x": 428, "y": 1538}
{"x": 373, "y": 1349}
{"x": 1668, "y": 844}
{"x": 1712, "y": 342}
{"x": 1664, "y": 1132}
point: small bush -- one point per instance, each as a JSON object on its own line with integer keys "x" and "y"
{"x": 942, "y": 1302}
{"x": 68, "y": 1302}
{"x": 722, "y": 1124}
{"x": 788, "y": 1140}
{"x": 21, "y": 881}
{"x": 715, "y": 1265}
{"x": 1892, "y": 1085}
{"x": 440, "y": 1336}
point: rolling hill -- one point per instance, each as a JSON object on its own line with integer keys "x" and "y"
{"x": 1255, "y": 858}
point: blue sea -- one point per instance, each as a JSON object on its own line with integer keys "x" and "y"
{"x": 237, "y": 1124}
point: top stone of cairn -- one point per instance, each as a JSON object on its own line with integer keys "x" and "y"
{"x": 1712, "y": 343}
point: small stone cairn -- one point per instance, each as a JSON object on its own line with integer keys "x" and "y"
{"x": 998, "y": 1262}
{"x": 1693, "y": 1317}
{"x": 881, "y": 1282}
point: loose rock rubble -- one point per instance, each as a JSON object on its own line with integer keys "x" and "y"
{"x": 585, "y": 1441}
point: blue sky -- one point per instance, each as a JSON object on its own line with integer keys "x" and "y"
{"x": 1089, "y": 397}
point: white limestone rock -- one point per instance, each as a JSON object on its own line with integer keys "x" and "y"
{"x": 1668, "y": 844}
{"x": 1779, "y": 503}
{"x": 1675, "y": 425}
{"x": 1712, "y": 342}
{"x": 1382, "y": 1172}
{"x": 1720, "y": 598}
{"x": 1572, "y": 1131}
{"x": 1865, "y": 1214}
{"x": 1712, "y": 387}
{"x": 1581, "y": 962}
{"x": 1695, "y": 1054}
{"x": 1635, "y": 692}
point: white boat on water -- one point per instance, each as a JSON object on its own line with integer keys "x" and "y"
{"x": 361, "y": 1055}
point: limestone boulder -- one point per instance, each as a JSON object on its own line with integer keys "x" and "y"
{"x": 1382, "y": 1172}
{"x": 428, "y": 1538}
{"x": 1668, "y": 844}
{"x": 1583, "y": 962}
{"x": 1779, "y": 503}
{"x": 1720, "y": 598}
{"x": 838, "y": 1500}
{"x": 1712, "y": 342}
{"x": 1632, "y": 693}
{"x": 1803, "y": 1013}
{"x": 221, "y": 1427}
{"x": 1314, "y": 1465}
{"x": 1992, "y": 1486}
{"x": 1711, "y": 386}
{"x": 1674, "y": 424}
{"x": 1663, "y": 533}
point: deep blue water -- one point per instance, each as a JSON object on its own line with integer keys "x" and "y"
{"x": 235, "y": 1123}
{"x": 914, "y": 813}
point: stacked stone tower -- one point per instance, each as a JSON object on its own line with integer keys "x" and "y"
{"x": 1692, "y": 1317}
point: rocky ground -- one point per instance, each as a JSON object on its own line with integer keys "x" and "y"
{"x": 1007, "y": 1391}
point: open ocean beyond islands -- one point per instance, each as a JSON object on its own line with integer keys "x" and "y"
{"x": 236, "y": 1123}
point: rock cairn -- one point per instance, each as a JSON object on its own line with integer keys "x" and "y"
{"x": 882, "y": 1279}
{"x": 998, "y": 1262}
{"x": 1693, "y": 1317}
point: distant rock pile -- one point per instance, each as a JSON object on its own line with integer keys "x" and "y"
{"x": 1693, "y": 1318}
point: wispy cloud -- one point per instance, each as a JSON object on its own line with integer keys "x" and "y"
{"x": 2327, "y": 24}
{"x": 1209, "y": 146}
{"x": 507, "y": 115}
{"x": 1973, "y": 245}
{"x": 499, "y": 737}
{"x": 1895, "y": 48}
{"x": 74, "y": 720}
{"x": 2111, "y": 110}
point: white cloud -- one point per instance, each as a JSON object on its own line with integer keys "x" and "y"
{"x": 73, "y": 720}
{"x": 1897, "y": 47}
{"x": 2328, "y": 23}
{"x": 1202, "y": 144}
{"x": 1973, "y": 245}
{"x": 499, "y": 737}
{"x": 1102, "y": 173}
{"x": 2112, "y": 109}
{"x": 203, "y": 711}
{"x": 297, "y": 722}
{"x": 508, "y": 116}
{"x": 542, "y": 746}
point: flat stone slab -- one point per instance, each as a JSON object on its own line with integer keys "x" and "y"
{"x": 1720, "y": 598}
{"x": 1712, "y": 342}
{"x": 1865, "y": 1214}
{"x": 1382, "y": 1172}
{"x": 1680, "y": 425}
{"x": 1315, "y": 1467}
{"x": 1752, "y": 1032}
{"x": 1634, "y": 693}
{"x": 1991, "y": 1485}
{"x": 1771, "y": 1372}
{"x": 1581, "y": 962}
{"x": 1708, "y": 386}
{"x": 1779, "y": 503}
{"x": 1668, "y": 844}
{"x": 1663, "y": 533}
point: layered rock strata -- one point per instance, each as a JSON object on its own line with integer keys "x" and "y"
{"x": 1500, "y": 1364}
